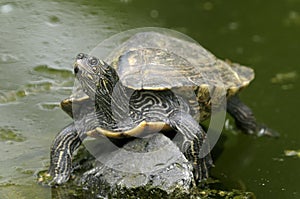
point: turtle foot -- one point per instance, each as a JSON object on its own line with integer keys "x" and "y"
{"x": 201, "y": 171}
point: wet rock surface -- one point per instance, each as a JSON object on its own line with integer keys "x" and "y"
{"x": 106, "y": 179}
{"x": 154, "y": 162}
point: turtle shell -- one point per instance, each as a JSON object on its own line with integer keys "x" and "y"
{"x": 155, "y": 61}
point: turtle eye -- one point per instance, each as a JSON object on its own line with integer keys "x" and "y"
{"x": 93, "y": 61}
{"x": 104, "y": 65}
{"x": 80, "y": 56}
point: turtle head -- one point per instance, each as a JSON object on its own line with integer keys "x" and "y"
{"x": 95, "y": 76}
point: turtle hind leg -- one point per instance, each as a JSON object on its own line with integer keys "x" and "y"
{"x": 242, "y": 115}
{"x": 193, "y": 144}
{"x": 64, "y": 144}
{"x": 245, "y": 120}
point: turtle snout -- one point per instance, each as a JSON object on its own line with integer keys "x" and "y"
{"x": 80, "y": 58}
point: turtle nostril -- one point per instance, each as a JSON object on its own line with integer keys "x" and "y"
{"x": 76, "y": 69}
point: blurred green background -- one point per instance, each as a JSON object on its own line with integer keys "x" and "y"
{"x": 38, "y": 43}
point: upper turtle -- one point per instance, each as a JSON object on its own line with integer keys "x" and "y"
{"x": 155, "y": 61}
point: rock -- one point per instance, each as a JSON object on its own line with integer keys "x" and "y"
{"x": 152, "y": 162}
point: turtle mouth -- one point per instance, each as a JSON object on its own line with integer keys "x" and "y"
{"x": 76, "y": 68}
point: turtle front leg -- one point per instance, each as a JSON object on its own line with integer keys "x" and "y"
{"x": 64, "y": 144}
{"x": 245, "y": 120}
{"x": 194, "y": 146}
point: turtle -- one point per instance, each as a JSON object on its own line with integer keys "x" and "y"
{"x": 143, "y": 86}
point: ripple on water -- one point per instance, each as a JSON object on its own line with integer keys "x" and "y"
{"x": 11, "y": 96}
{"x": 8, "y": 58}
{"x": 53, "y": 21}
{"x": 53, "y": 72}
{"x": 51, "y": 79}
{"x": 10, "y": 134}
{"x": 7, "y": 8}
{"x": 38, "y": 86}
{"x": 8, "y": 96}
{"x": 48, "y": 106}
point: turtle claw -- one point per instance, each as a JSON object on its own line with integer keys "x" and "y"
{"x": 46, "y": 179}
{"x": 201, "y": 170}
{"x": 59, "y": 179}
{"x": 200, "y": 173}
{"x": 263, "y": 130}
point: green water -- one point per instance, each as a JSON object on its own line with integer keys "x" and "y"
{"x": 38, "y": 42}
